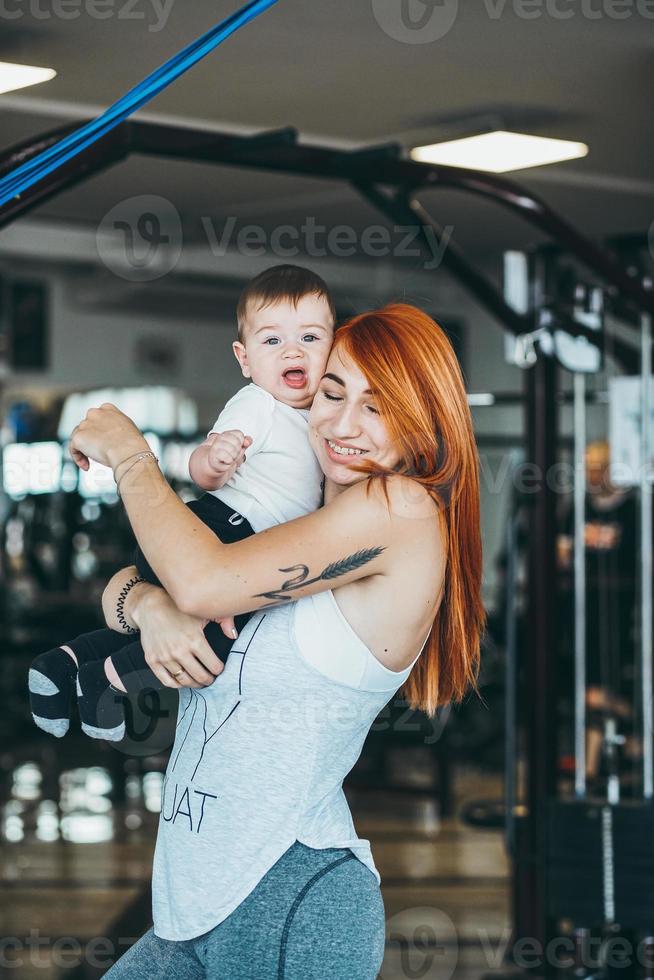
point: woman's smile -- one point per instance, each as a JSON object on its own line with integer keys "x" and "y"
{"x": 340, "y": 451}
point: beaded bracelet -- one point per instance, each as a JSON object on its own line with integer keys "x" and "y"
{"x": 120, "y": 616}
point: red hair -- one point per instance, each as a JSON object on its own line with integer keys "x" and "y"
{"x": 419, "y": 389}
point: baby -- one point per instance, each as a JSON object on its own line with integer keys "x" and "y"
{"x": 258, "y": 469}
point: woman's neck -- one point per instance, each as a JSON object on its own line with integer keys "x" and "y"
{"x": 332, "y": 490}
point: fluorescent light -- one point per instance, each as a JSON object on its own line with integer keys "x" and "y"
{"x": 500, "y": 152}
{"x": 20, "y": 76}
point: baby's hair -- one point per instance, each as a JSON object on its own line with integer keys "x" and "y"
{"x": 278, "y": 283}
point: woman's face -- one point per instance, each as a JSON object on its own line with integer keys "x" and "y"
{"x": 345, "y": 425}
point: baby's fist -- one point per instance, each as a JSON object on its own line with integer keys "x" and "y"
{"x": 227, "y": 450}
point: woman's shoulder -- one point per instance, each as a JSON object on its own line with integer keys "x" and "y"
{"x": 402, "y": 515}
{"x": 397, "y": 496}
{"x": 410, "y": 499}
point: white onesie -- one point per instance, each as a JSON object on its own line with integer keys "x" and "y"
{"x": 280, "y": 478}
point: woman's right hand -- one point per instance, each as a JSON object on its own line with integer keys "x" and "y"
{"x": 173, "y": 640}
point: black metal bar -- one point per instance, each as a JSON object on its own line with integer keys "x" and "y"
{"x": 287, "y": 136}
{"x": 20, "y": 153}
{"x": 513, "y": 722}
{"x": 632, "y": 241}
{"x": 107, "y": 151}
{"x": 483, "y": 289}
{"x": 407, "y": 212}
{"x": 257, "y": 151}
{"x": 539, "y": 651}
{"x": 371, "y": 154}
{"x": 288, "y": 156}
{"x": 537, "y": 657}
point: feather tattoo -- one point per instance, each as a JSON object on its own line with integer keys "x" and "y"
{"x": 336, "y": 568}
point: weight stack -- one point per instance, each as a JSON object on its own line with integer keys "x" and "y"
{"x": 585, "y": 859}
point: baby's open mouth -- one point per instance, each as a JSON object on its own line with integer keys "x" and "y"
{"x": 295, "y": 377}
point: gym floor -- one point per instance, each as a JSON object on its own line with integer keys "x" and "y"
{"x": 77, "y": 872}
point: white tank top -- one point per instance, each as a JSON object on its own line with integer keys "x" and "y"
{"x": 259, "y": 761}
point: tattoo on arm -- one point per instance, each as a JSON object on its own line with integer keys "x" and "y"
{"x": 336, "y": 568}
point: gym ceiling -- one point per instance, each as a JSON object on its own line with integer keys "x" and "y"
{"x": 574, "y": 69}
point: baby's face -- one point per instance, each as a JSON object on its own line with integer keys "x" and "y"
{"x": 285, "y": 348}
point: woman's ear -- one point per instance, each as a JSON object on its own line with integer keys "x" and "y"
{"x": 241, "y": 356}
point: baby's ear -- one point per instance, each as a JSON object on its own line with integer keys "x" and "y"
{"x": 241, "y": 356}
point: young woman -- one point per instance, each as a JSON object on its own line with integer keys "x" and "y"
{"x": 258, "y": 870}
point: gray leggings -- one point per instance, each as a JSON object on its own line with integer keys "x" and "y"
{"x": 316, "y": 915}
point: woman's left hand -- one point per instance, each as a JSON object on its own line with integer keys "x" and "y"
{"x": 106, "y": 435}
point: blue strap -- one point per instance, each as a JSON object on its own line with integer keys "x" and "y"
{"x": 28, "y": 174}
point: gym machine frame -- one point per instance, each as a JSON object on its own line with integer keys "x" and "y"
{"x": 391, "y": 183}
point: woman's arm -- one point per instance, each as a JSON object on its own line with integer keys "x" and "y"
{"x": 170, "y": 639}
{"x": 356, "y": 536}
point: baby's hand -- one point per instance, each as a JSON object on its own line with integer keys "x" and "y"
{"x": 227, "y": 450}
